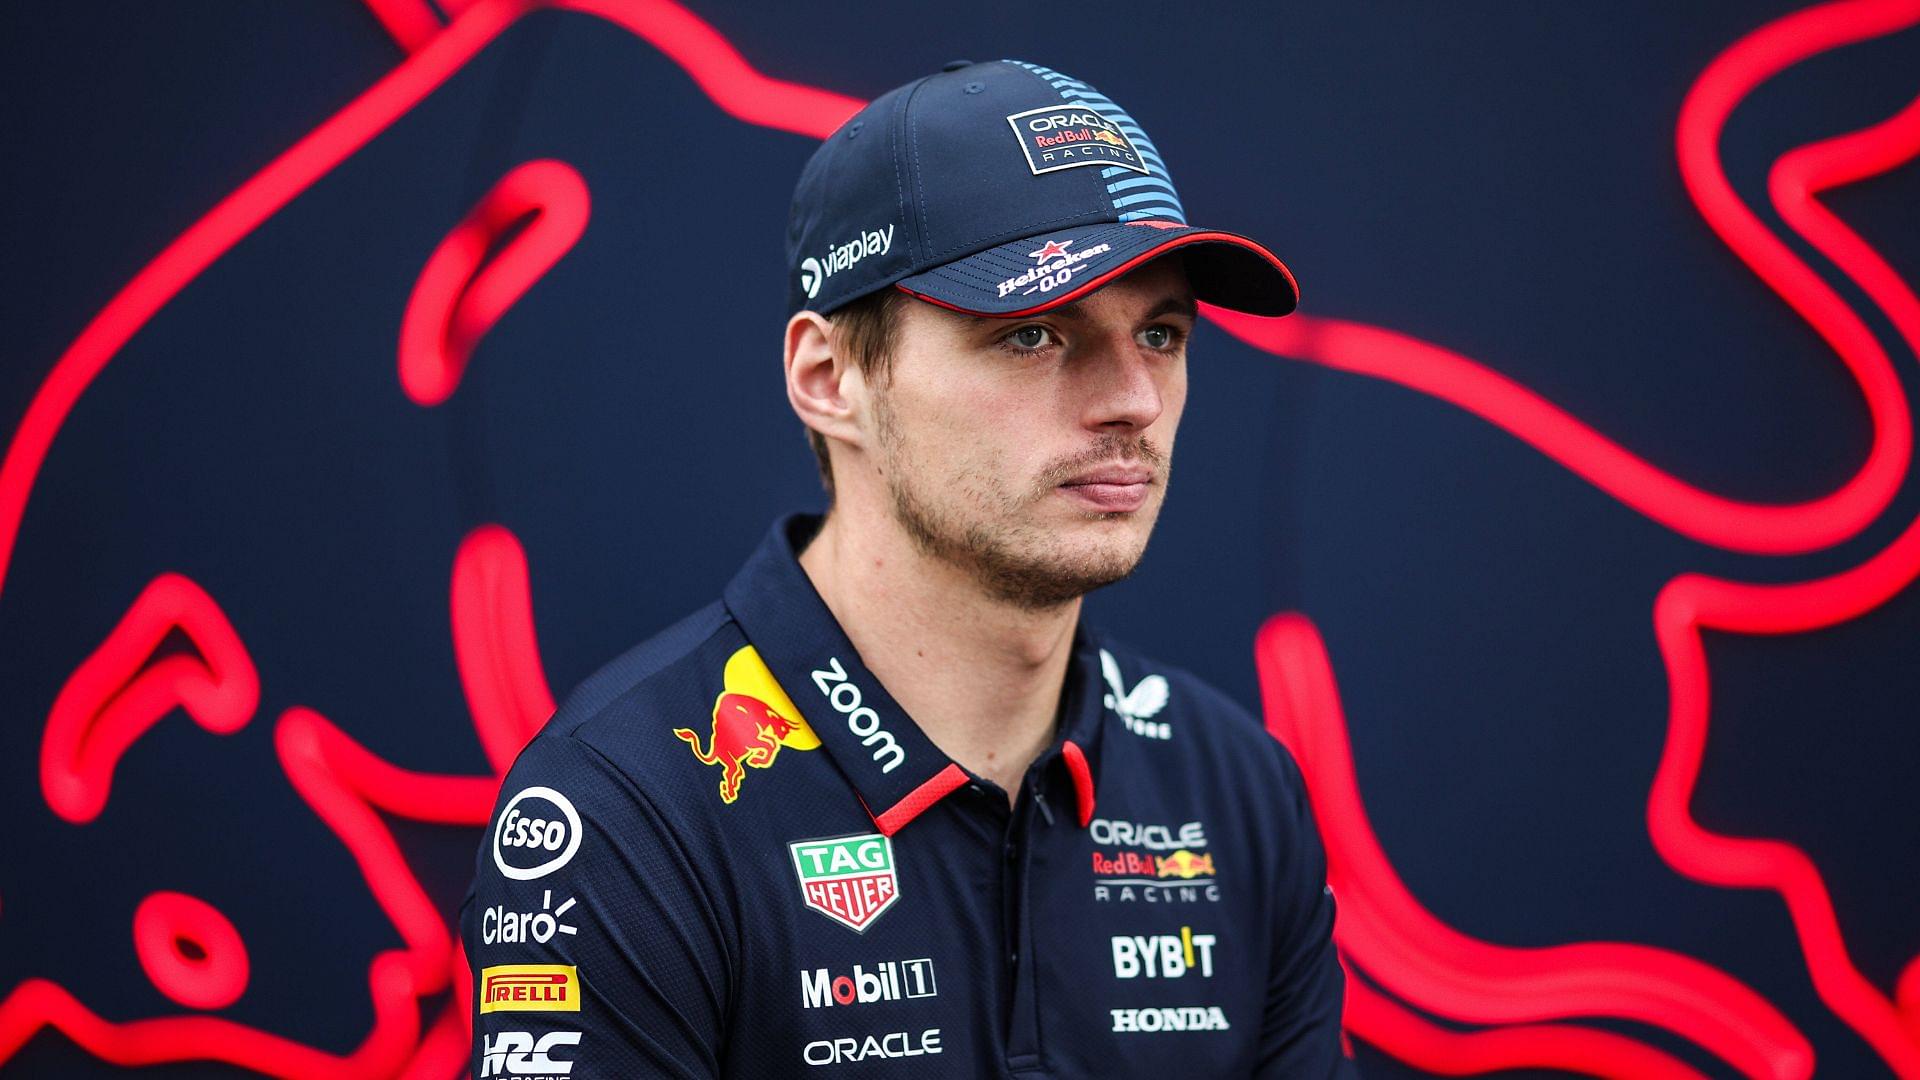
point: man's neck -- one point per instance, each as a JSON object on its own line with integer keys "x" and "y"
{"x": 981, "y": 677}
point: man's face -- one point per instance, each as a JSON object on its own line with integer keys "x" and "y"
{"x": 1033, "y": 453}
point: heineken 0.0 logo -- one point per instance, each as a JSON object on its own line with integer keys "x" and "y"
{"x": 848, "y": 879}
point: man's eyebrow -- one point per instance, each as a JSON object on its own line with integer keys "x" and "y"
{"x": 1172, "y": 305}
{"x": 1175, "y": 305}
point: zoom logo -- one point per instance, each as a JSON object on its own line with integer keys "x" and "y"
{"x": 844, "y": 696}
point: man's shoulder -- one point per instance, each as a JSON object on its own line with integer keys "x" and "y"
{"x": 627, "y": 711}
{"x": 642, "y": 673}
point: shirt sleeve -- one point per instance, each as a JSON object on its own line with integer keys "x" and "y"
{"x": 1300, "y": 1034}
{"x": 595, "y": 947}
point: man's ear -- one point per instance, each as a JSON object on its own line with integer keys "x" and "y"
{"x": 824, "y": 389}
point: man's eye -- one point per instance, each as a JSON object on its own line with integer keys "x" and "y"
{"x": 1159, "y": 337}
{"x": 1030, "y": 338}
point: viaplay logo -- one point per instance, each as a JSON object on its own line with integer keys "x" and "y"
{"x": 841, "y": 256}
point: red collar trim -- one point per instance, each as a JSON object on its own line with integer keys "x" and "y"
{"x": 1082, "y": 779}
{"x": 895, "y": 817}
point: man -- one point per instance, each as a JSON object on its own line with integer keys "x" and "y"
{"x": 889, "y": 808}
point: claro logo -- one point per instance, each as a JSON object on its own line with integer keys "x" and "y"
{"x": 861, "y": 720}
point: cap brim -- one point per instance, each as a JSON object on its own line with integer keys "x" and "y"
{"x": 1035, "y": 273}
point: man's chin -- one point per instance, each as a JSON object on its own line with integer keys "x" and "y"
{"x": 1051, "y": 554}
{"x": 1106, "y": 535}
{"x": 1072, "y": 567}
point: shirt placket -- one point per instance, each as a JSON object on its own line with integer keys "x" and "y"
{"x": 1031, "y": 814}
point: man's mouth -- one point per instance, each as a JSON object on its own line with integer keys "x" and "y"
{"x": 1111, "y": 488}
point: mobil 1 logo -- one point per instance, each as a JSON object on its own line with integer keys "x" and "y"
{"x": 890, "y": 980}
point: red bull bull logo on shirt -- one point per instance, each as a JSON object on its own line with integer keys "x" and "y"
{"x": 1179, "y": 875}
{"x": 752, "y": 719}
{"x": 1185, "y": 864}
{"x": 848, "y": 879}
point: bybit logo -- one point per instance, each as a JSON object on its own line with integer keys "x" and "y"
{"x": 1163, "y": 956}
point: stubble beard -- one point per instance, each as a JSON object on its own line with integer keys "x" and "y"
{"x": 1013, "y": 561}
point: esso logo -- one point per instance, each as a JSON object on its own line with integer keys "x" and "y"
{"x": 538, "y": 832}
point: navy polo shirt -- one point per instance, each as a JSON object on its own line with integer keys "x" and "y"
{"x": 731, "y": 854}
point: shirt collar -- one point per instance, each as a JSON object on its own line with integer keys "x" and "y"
{"x": 895, "y": 769}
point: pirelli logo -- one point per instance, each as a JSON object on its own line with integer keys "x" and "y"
{"x": 530, "y": 988}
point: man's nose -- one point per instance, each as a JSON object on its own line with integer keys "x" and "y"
{"x": 1125, "y": 388}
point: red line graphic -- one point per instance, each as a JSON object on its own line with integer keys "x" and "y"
{"x": 1385, "y": 931}
{"x": 713, "y": 64}
{"x": 1711, "y": 519}
{"x": 1382, "y": 927}
{"x": 412, "y": 23}
{"x": 214, "y": 974}
{"x": 1519, "y": 1046}
{"x": 462, "y": 292}
{"x": 121, "y": 690}
{"x": 348, "y": 788}
{"x": 493, "y": 643}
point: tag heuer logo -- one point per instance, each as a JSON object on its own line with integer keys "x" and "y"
{"x": 848, "y": 879}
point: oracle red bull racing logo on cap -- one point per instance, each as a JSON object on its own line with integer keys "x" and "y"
{"x": 752, "y": 719}
{"x": 1065, "y": 136}
{"x": 849, "y": 879}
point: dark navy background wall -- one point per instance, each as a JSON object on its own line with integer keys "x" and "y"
{"x": 1495, "y": 178}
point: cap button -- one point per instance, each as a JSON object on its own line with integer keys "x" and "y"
{"x": 956, "y": 65}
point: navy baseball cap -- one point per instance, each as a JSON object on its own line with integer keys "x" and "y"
{"x": 1002, "y": 189}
